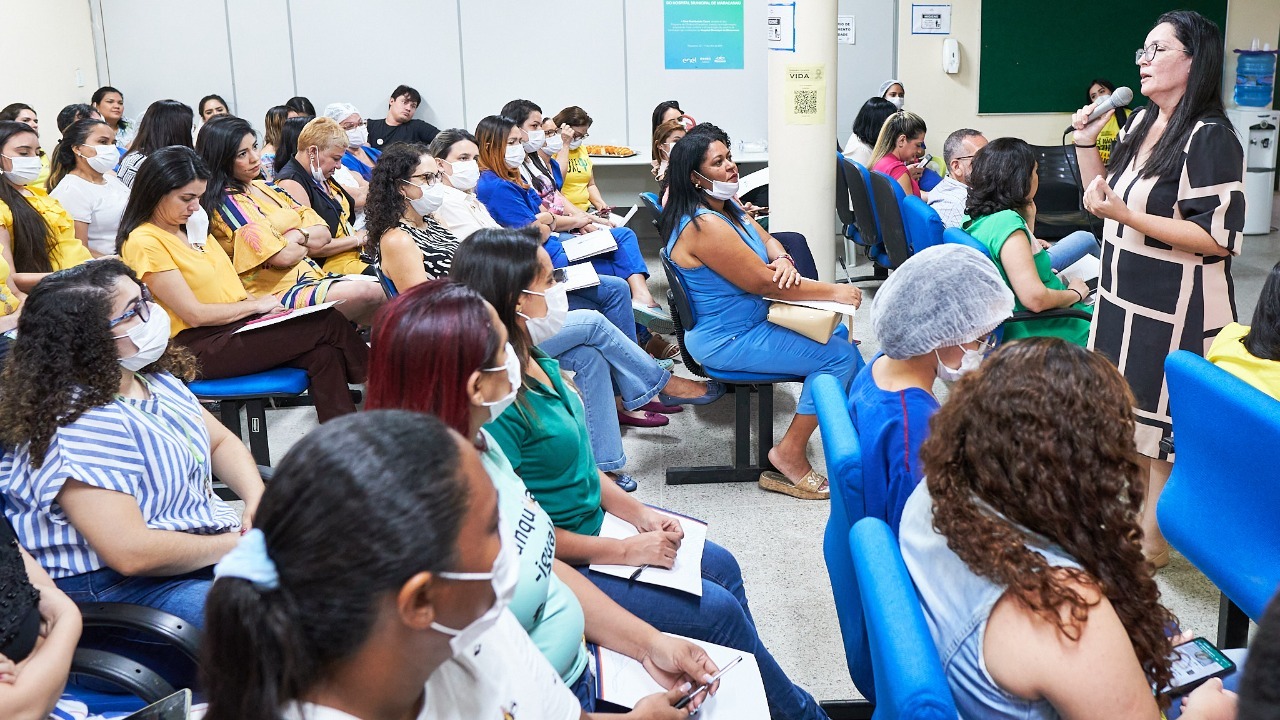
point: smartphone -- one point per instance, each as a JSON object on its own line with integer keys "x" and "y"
{"x": 1195, "y": 662}
{"x": 924, "y": 160}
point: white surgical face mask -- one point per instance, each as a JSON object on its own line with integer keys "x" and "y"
{"x": 316, "y": 173}
{"x": 968, "y": 363}
{"x": 358, "y": 136}
{"x": 151, "y": 338}
{"x": 103, "y": 159}
{"x": 466, "y": 173}
{"x": 24, "y": 170}
{"x": 537, "y": 138}
{"x": 198, "y": 227}
{"x": 431, "y": 200}
{"x": 720, "y": 190}
{"x": 514, "y": 156}
{"x": 553, "y": 144}
{"x": 575, "y": 144}
{"x": 897, "y": 101}
{"x": 512, "y": 369}
{"x": 540, "y": 329}
{"x": 503, "y": 577}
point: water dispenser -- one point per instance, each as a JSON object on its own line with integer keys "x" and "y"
{"x": 1258, "y": 132}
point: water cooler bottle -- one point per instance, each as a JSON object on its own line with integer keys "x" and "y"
{"x": 1257, "y": 128}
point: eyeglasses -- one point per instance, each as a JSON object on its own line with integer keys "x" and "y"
{"x": 428, "y": 179}
{"x": 987, "y": 343}
{"x": 140, "y": 307}
{"x": 1148, "y": 53}
{"x": 353, "y": 126}
{"x": 963, "y": 157}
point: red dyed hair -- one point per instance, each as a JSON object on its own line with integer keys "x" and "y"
{"x": 426, "y": 343}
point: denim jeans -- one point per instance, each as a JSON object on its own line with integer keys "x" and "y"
{"x": 611, "y": 298}
{"x": 1073, "y": 247}
{"x": 720, "y": 616}
{"x": 798, "y": 247}
{"x": 605, "y": 363}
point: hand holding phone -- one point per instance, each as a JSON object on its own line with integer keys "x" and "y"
{"x": 1194, "y": 662}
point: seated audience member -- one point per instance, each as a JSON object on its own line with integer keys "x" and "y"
{"x": 405, "y": 241}
{"x": 359, "y": 157}
{"x": 951, "y": 196}
{"x": 11, "y": 300}
{"x": 272, "y": 124}
{"x": 299, "y": 106}
{"x": 729, "y": 264}
{"x": 419, "y": 624}
{"x": 901, "y": 141}
{"x": 893, "y": 91}
{"x": 447, "y": 332}
{"x": 514, "y": 204}
{"x": 665, "y": 111}
{"x": 266, "y": 234}
{"x": 83, "y": 182}
{"x": 579, "y": 180}
{"x": 1025, "y": 547}
{"x": 74, "y": 112}
{"x": 37, "y": 235}
{"x": 39, "y": 630}
{"x": 164, "y": 238}
{"x": 1002, "y": 207}
{"x": 1099, "y": 90}
{"x": 308, "y": 178}
{"x": 935, "y": 317}
{"x": 165, "y": 123}
{"x": 866, "y": 129}
{"x": 665, "y": 137}
{"x": 108, "y": 455}
{"x": 400, "y": 125}
{"x": 545, "y": 437}
{"x": 110, "y": 103}
{"x": 210, "y": 106}
{"x": 1252, "y": 352}
{"x": 23, "y": 113}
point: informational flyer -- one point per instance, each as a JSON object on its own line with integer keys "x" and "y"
{"x": 806, "y": 94}
{"x": 703, "y": 34}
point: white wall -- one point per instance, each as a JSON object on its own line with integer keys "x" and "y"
{"x": 47, "y": 43}
{"x": 866, "y": 63}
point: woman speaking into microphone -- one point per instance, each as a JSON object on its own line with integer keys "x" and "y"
{"x": 1172, "y": 198}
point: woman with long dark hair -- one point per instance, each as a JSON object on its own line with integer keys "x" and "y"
{"x": 24, "y": 113}
{"x": 36, "y": 234}
{"x": 1252, "y": 352}
{"x": 164, "y": 237}
{"x": 211, "y": 106}
{"x": 1099, "y": 90}
{"x": 109, "y": 102}
{"x": 1172, "y": 201}
{"x": 1002, "y": 212}
{"x": 83, "y": 182}
{"x": 866, "y": 130}
{"x": 729, "y": 264}
{"x": 166, "y": 122}
{"x": 267, "y": 234}
{"x": 1025, "y": 545}
{"x": 406, "y": 618}
{"x": 108, "y": 456}
{"x": 405, "y": 240}
{"x": 272, "y": 125}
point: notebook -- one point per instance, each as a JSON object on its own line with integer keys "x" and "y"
{"x": 581, "y": 247}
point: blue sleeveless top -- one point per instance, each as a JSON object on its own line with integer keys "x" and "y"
{"x": 724, "y": 310}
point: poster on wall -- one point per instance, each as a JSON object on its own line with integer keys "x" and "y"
{"x": 703, "y": 34}
{"x": 806, "y": 94}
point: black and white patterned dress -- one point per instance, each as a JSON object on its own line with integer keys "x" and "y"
{"x": 436, "y": 243}
{"x": 1154, "y": 299}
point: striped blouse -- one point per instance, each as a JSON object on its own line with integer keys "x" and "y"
{"x": 156, "y": 450}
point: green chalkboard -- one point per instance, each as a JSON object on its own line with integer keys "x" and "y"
{"x": 1040, "y": 56}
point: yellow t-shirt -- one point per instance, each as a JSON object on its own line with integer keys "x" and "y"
{"x": 8, "y": 302}
{"x": 576, "y": 178}
{"x": 68, "y": 251}
{"x": 349, "y": 262}
{"x": 209, "y": 273}
{"x": 1228, "y": 353}
{"x": 1107, "y": 139}
{"x": 251, "y": 232}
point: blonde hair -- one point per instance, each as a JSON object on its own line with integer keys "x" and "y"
{"x": 324, "y": 133}
{"x": 903, "y": 122}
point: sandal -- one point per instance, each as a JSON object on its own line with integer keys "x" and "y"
{"x": 660, "y": 349}
{"x": 811, "y": 487}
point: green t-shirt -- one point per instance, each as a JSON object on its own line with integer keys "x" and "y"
{"x": 544, "y": 435}
{"x": 546, "y": 607}
{"x": 992, "y": 231}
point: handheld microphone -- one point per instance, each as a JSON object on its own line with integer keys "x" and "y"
{"x": 1120, "y": 98}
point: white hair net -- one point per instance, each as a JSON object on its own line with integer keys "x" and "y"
{"x": 884, "y": 86}
{"x": 942, "y": 296}
{"x": 340, "y": 111}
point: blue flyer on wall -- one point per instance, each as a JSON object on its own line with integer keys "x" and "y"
{"x": 703, "y": 34}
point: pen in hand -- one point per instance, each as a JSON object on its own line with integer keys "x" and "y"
{"x": 636, "y": 574}
{"x": 703, "y": 688}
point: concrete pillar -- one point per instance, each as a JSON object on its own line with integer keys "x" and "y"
{"x": 802, "y": 183}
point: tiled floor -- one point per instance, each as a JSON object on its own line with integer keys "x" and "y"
{"x": 778, "y": 540}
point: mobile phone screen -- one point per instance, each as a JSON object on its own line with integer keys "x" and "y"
{"x": 1197, "y": 661}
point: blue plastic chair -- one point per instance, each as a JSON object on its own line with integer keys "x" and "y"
{"x": 924, "y": 227}
{"x": 909, "y": 681}
{"x": 388, "y": 286}
{"x": 888, "y": 195}
{"x": 858, "y": 219}
{"x": 1219, "y": 506}
{"x": 252, "y": 392}
{"x": 653, "y": 205}
{"x": 844, "y": 475}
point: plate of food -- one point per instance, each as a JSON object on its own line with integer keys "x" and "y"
{"x": 610, "y": 151}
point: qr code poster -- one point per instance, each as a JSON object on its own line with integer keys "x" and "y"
{"x": 806, "y": 94}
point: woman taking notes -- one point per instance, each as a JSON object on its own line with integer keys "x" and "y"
{"x": 1172, "y": 198}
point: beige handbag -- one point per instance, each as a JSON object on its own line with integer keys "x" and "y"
{"x": 815, "y": 324}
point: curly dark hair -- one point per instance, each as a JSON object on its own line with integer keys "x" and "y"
{"x": 1001, "y": 177}
{"x": 385, "y": 204}
{"x": 1043, "y": 434}
{"x": 64, "y": 361}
